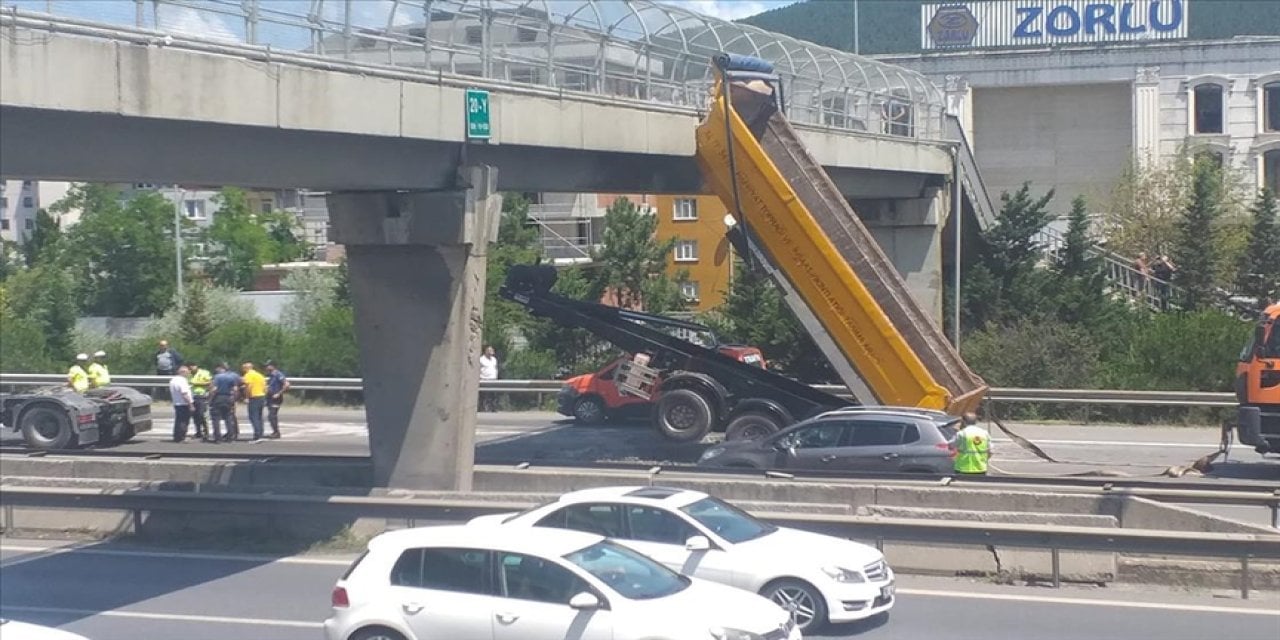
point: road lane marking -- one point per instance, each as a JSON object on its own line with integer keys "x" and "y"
{"x": 1116, "y": 443}
{"x": 1196, "y": 608}
{"x": 180, "y": 617}
{"x": 124, "y": 553}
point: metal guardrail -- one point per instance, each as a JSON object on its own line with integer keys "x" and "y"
{"x": 1049, "y": 396}
{"x": 1244, "y": 547}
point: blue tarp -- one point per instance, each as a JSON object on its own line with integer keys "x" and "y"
{"x": 736, "y": 62}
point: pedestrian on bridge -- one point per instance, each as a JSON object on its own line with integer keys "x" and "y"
{"x": 99, "y": 376}
{"x": 77, "y": 377}
{"x": 200, "y": 380}
{"x": 973, "y": 447}
{"x": 277, "y": 384}
{"x": 255, "y": 390}
{"x": 224, "y": 390}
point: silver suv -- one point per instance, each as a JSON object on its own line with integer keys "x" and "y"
{"x": 865, "y": 439}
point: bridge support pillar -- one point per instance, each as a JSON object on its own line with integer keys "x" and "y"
{"x": 910, "y": 233}
{"x": 416, "y": 263}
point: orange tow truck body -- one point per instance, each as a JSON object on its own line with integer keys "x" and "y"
{"x": 1258, "y": 385}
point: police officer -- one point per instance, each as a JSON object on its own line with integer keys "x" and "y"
{"x": 225, "y": 388}
{"x": 77, "y": 377}
{"x": 98, "y": 374}
{"x": 973, "y": 447}
{"x": 200, "y": 380}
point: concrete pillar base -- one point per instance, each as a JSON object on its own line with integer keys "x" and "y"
{"x": 416, "y": 262}
{"x": 910, "y": 233}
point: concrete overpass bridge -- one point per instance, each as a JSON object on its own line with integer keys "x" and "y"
{"x": 367, "y": 100}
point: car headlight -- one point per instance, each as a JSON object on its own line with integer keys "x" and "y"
{"x": 726, "y": 633}
{"x": 711, "y": 453}
{"x": 840, "y": 574}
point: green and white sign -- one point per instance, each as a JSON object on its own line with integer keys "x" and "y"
{"x": 478, "y": 114}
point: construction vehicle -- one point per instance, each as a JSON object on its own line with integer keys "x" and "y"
{"x": 597, "y": 396}
{"x": 54, "y": 418}
{"x": 788, "y": 218}
{"x": 1258, "y": 385}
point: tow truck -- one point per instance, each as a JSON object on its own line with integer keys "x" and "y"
{"x": 1258, "y": 385}
{"x": 788, "y": 218}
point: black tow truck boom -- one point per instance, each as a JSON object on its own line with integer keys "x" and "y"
{"x": 699, "y": 388}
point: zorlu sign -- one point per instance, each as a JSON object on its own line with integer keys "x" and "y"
{"x": 1036, "y": 23}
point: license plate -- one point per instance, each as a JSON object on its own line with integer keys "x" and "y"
{"x": 886, "y": 592}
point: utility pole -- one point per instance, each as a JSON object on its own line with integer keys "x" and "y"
{"x": 177, "y": 236}
{"x": 856, "y": 44}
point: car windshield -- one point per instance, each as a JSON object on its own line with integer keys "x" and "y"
{"x": 525, "y": 512}
{"x": 727, "y": 521}
{"x": 629, "y": 573}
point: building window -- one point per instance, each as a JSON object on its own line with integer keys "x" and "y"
{"x": 1271, "y": 106}
{"x": 4, "y": 203}
{"x": 194, "y": 208}
{"x": 28, "y": 202}
{"x": 475, "y": 35}
{"x": 267, "y": 206}
{"x": 1271, "y": 170}
{"x": 1207, "y": 105}
{"x": 26, "y": 184}
{"x": 689, "y": 289}
{"x": 526, "y": 34}
{"x": 575, "y": 81}
{"x": 685, "y": 209}
{"x": 686, "y": 251}
{"x": 28, "y": 224}
{"x": 4, "y": 224}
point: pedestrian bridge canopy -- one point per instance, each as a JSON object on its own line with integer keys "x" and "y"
{"x": 624, "y": 49}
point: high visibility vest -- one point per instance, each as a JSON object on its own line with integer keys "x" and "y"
{"x": 973, "y": 448}
{"x": 98, "y": 375}
{"x": 77, "y": 378}
{"x": 200, "y": 383}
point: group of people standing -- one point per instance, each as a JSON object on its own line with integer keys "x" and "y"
{"x": 209, "y": 399}
{"x": 85, "y": 374}
{"x": 1154, "y": 276}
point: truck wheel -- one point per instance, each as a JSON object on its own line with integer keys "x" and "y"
{"x": 751, "y": 425}
{"x": 589, "y": 410}
{"x": 124, "y": 434}
{"x": 45, "y": 428}
{"x": 683, "y": 415}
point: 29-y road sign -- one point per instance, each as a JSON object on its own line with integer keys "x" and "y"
{"x": 478, "y": 127}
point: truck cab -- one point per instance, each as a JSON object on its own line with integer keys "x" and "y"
{"x": 1258, "y": 385}
{"x": 594, "y": 397}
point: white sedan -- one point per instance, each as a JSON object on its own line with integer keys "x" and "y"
{"x": 818, "y": 578}
{"x": 15, "y": 630}
{"x": 463, "y": 583}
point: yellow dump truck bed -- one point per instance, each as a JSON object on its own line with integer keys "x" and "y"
{"x": 878, "y": 338}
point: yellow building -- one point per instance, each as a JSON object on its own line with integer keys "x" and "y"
{"x": 697, "y": 224}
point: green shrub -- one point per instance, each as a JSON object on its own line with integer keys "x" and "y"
{"x": 1176, "y": 351}
{"x": 325, "y": 348}
{"x": 1034, "y": 353}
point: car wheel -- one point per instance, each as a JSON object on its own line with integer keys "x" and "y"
{"x": 45, "y": 428}
{"x": 588, "y": 410}
{"x": 805, "y": 604}
{"x": 376, "y": 633}
{"x": 684, "y": 415}
{"x": 751, "y": 425}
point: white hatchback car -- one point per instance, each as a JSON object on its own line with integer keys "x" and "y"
{"x": 467, "y": 583}
{"x": 15, "y": 630}
{"x": 818, "y": 578}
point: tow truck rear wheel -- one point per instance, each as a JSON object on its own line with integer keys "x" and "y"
{"x": 683, "y": 415}
{"x": 46, "y": 428}
{"x": 751, "y": 425}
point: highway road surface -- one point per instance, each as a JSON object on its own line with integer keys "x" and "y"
{"x": 113, "y": 592}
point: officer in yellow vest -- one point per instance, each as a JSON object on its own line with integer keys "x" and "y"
{"x": 200, "y": 379}
{"x": 973, "y": 447}
{"x": 98, "y": 374}
{"x": 77, "y": 377}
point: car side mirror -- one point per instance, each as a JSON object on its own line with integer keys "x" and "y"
{"x": 585, "y": 601}
{"x": 697, "y": 543}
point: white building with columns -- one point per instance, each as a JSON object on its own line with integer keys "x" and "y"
{"x": 1072, "y": 110}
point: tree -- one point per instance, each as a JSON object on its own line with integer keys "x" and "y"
{"x": 41, "y": 298}
{"x": 1194, "y": 251}
{"x": 342, "y": 288}
{"x": 43, "y": 242}
{"x": 122, "y": 254}
{"x": 1076, "y": 258}
{"x": 241, "y": 241}
{"x": 11, "y": 260}
{"x": 314, "y": 292}
{"x": 1003, "y": 283}
{"x": 517, "y": 243}
{"x": 1259, "y": 275}
{"x": 196, "y": 321}
{"x": 633, "y": 262}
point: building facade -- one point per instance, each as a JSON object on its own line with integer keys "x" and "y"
{"x": 20, "y": 200}
{"x": 701, "y": 254}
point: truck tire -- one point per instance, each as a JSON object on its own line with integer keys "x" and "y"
{"x": 45, "y": 427}
{"x": 123, "y": 434}
{"x": 683, "y": 415}
{"x": 751, "y": 425}
{"x": 589, "y": 410}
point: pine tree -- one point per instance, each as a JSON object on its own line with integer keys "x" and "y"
{"x": 1194, "y": 252}
{"x": 1075, "y": 259}
{"x": 196, "y": 323}
{"x": 1260, "y": 267}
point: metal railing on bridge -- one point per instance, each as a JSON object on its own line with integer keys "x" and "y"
{"x": 636, "y": 49}
{"x": 549, "y": 387}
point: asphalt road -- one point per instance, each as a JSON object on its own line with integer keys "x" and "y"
{"x": 112, "y": 592}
